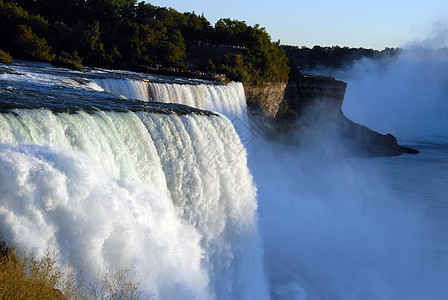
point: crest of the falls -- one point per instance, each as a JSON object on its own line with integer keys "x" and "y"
{"x": 131, "y": 89}
{"x": 167, "y": 194}
{"x": 228, "y": 99}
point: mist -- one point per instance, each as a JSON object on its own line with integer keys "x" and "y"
{"x": 339, "y": 226}
{"x": 407, "y": 97}
{"x": 335, "y": 228}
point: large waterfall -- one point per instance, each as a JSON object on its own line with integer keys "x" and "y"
{"x": 161, "y": 189}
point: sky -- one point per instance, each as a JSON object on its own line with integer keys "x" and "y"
{"x": 354, "y": 23}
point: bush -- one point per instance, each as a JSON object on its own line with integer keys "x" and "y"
{"x": 69, "y": 61}
{"x": 5, "y": 58}
{"x": 23, "y": 276}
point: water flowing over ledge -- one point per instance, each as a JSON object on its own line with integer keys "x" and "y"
{"x": 161, "y": 188}
{"x": 227, "y": 99}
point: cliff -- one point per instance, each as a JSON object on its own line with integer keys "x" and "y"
{"x": 309, "y": 107}
{"x": 265, "y": 99}
{"x": 306, "y": 91}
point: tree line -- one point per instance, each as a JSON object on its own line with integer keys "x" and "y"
{"x": 334, "y": 57}
{"x": 127, "y": 34}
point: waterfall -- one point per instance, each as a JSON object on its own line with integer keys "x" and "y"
{"x": 228, "y": 99}
{"x": 161, "y": 189}
{"x": 131, "y": 89}
{"x": 168, "y": 195}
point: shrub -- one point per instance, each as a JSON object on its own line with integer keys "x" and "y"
{"x": 23, "y": 276}
{"x": 5, "y": 58}
{"x": 69, "y": 61}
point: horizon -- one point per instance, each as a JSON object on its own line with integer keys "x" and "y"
{"x": 354, "y": 24}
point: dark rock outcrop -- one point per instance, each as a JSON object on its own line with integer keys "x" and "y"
{"x": 307, "y": 90}
{"x": 317, "y": 101}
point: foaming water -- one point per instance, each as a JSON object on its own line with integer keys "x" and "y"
{"x": 166, "y": 194}
{"x": 228, "y": 99}
{"x": 131, "y": 89}
{"x": 63, "y": 200}
{"x": 169, "y": 195}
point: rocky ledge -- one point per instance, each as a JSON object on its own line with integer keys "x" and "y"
{"x": 311, "y": 106}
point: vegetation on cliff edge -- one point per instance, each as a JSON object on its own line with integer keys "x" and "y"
{"x": 127, "y": 34}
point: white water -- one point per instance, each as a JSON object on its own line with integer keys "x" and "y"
{"x": 168, "y": 196}
{"x": 227, "y": 99}
{"x": 131, "y": 89}
{"x": 332, "y": 228}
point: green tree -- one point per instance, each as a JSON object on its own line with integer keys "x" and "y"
{"x": 29, "y": 46}
{"x": 196, "y": 27}
{"x": 174, "y": 50}
{"x": 90, "y": 46}
{"x": 110, "y": 12}
{"x": 11, "y": 16}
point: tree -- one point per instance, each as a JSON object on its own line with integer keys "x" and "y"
{"x": 22, "y": 33}
{"x": 175, "y": 50}
{"x": 29, "y": 46}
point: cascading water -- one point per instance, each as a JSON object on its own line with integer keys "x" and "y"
{"x": 161, "y": 189}
{"x": 164, "y": 189}
{"x": 227, "y": 99}
{"x": 131, "y": 89}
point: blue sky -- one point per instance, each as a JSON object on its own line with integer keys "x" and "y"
{"x": 371, "y": 24}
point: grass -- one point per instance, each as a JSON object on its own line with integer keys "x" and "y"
{"x": 23, "y": 276}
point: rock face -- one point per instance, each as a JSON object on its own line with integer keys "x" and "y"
{"x": 317, "y": 101}
{"x": 265, "y": 99}
{"x": 304, "y": 92}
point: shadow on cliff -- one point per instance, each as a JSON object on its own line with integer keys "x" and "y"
{"x": 321, "y": 125}
{"x": 309, "y": 111}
